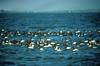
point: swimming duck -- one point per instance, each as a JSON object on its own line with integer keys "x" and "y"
{"x": 68, "y": 47}
{"x": 78, "y": 33}
{"x": 41, "y": 49}
{"x": 31, "y": 45}
{"x": 92, "y": 43}
{"x": 57, "y": 49}
{"x": 75, "y": 49}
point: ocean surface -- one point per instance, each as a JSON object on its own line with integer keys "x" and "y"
{"x": 16, "y": 55}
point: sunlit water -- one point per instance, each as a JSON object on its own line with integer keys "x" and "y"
{"x": 23, "y": 56}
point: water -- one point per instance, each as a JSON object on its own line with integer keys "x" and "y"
{"x": 49, "y": 21}
{"x": 17, "y": 55}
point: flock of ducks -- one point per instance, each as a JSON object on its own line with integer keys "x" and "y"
{"x": 43, "y": 42}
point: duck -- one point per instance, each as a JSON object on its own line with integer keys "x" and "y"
{"x": 22, "y": 41}
{"x": 52, "y": 43}
{"x": 78, "y": 33}
{"x": 69, "y": 33}
{"x": 68, "y": 48}
{"x": 48, "y": 39}
{"x": 92, "y": 44}
{"x": 48, "y": 45}
{"x": 82, "y": 44}
{"x": 86, "y": 41}
{"x": 31, "y": 45}
{"x": 41, "y": 49}
{"x": 6, "y": 37}
{"x": 61, "y": 33}
{"x": 14, "y": 42}
{"x": 57, "y": 49}
{"x": 74, "y": 43}
{"x": 18, "y": 33}
{"x": 2, "y": 30}
{"x": 75, "y": 49}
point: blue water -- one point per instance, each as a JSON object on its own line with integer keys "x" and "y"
{"x": 23, "y": 56}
